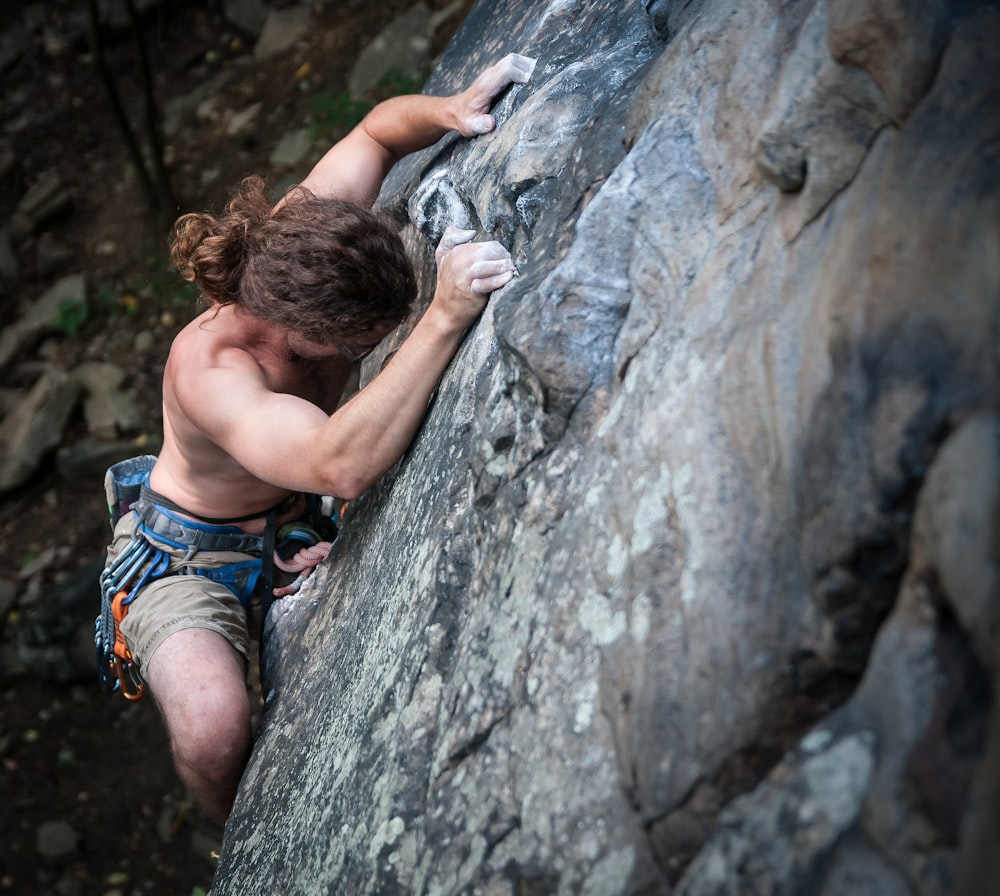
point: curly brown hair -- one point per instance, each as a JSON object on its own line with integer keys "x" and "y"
{"x": 324, "y": 267}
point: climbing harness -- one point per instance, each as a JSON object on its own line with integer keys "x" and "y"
{"x": 297, "y": 547}
{"x": 115, "y": 669}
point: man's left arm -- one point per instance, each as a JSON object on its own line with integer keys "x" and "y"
{"x": 355, "y": 167}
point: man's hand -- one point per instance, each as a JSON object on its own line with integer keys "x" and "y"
{"x": 473, "y": 104}
{"x": 467, "y": 273}
{"x": 355, "y": 167}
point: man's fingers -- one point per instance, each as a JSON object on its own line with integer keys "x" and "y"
{"x": 513, "y": 68}
{"x": 482, "y": 124}
{"x": 483, "y": 269}
{"x": 493, "y": 267}
{"x": 520, "y": 67}
{"x": 483, "y": 266}
{"x": 490, "y": 250}
{"x": 453, "y": 236}
{"x": 475, "y": 120}
{"x": 486, "y": 285}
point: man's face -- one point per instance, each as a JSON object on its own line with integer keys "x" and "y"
{"x": 352, "y": 349}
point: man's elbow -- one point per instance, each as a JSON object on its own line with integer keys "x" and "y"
{"x": 349, "y": 486}
{"x": 349, "y": 492}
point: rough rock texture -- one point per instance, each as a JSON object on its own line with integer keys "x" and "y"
{"x": 690, "y": 581}
{"x": 39, "y": 319}
{"x": 34, "y": 427}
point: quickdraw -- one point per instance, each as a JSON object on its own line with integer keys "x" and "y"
{"x": 138, "y": 564}
{"x": 129, "y": 683}
{"x": 115, "y": 669}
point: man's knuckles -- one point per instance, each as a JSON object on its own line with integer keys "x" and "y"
{"x": 492, "y": 268}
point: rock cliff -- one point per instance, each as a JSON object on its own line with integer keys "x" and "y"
{"x": 689, "y": 583}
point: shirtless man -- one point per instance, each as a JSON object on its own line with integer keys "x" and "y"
{"x": 252, "y": 386}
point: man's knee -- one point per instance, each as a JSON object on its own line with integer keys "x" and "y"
{"x": 211, "y": 737}
{"x": 198, "y": 680}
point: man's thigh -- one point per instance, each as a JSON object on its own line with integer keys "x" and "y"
{"x": 199, "y": 683}
{"x": 185, "y": 603}
{"x": 196, "y": 671}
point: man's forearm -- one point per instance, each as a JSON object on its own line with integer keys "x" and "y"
{"x": 372, "y": 431}
{"x": 355, "y": 167}
{"x": 406, "y": 124}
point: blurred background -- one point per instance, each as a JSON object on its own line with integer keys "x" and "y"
{"x": 116, "y": 116}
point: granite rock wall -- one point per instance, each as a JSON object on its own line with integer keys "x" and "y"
{"x": 689, "y": 582}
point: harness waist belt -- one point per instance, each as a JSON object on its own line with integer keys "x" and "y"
{"x": 192, "y": 535}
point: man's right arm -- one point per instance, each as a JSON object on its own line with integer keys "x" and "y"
{"x": 291, "y": 443}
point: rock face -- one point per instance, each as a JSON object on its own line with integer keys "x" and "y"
{"x": 690, "y": 581}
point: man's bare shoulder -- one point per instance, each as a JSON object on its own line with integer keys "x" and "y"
{"x": 214, "y": 341}
{"x": 212, "y": 331}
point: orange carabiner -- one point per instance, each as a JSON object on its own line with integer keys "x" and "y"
{"x": 132, "y": 687}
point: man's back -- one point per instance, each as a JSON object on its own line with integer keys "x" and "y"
{"x": 193, "y": 470}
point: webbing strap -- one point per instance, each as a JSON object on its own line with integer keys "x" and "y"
{"x": 162, "y": 501}
{"x": 193, "y": 536}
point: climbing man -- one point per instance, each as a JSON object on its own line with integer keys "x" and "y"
{"x": 253, "y": 427}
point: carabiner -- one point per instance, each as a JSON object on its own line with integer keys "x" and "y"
{"x": 132, "y": 687}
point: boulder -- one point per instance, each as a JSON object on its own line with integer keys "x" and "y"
{"x": 281, "y": 30}
{"x": 42, "y": 316}
{"x": 35, "y": 427}
{"x": 88, "y": 458}
{"x": 292, "y": 149}
{"x": 108, "y": 409}
{"x": 56, "y": 842}
{"x": 45, "y": 199}
{"x": 249, "y": 15}
{"x": 401, "y": 48}
{"x": 683, "y": 585}
{"x": 881, "y": 796}
{"x": 55, "y": 638}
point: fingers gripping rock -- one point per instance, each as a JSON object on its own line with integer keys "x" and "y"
{"x": 491, "y": 268}
{"x": 481, "y": 124}
{"x": 472, "y": 270}
{"x": 452, "y": 236}
{"x": 520, "y": 67}
{"x": 512, "y": 69}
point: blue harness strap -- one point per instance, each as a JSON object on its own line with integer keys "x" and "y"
{"x": 155, "y": 522}
{"x": 144, "y": 561}
{"x": 158, "y": 522}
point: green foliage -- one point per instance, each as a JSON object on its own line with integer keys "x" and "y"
{"x": 65, "y": 756}
{"x": 336, "y": 111}
{"x": 185, "y": 294}
{"x": 397, "y": 83}
{"x": 27, "y": 558}
{"x": 151, "y": 289}
{"x": 106, "y": 299}
{"x": 341, "y": 111}
{"x": 71, "y": 316}
{"x": 156, "y": 282}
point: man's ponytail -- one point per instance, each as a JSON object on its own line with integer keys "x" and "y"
{"x": 212, "y": 251}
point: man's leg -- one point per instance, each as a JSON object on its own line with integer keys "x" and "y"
{"x": 199, "y": 681}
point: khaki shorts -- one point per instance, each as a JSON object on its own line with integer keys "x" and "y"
{"x": 178, "y": 602}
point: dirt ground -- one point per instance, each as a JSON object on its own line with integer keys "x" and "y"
{"x": 68, "y": 754}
